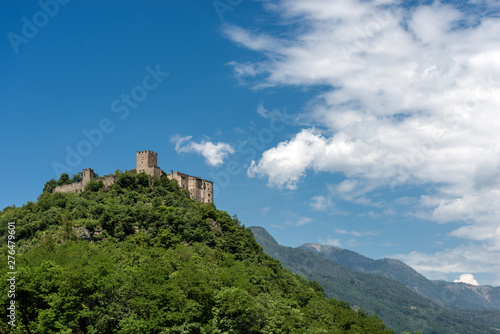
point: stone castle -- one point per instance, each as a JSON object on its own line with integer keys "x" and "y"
{"x": 147, "y": 161}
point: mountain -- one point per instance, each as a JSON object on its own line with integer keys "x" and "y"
{"x": 401, "y": 308}
{"x": 454, "y": 294}
{"x": 140, "y": 256}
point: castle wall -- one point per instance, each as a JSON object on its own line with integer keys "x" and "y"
{"x": 88, "y": 174}
{"x": 200, "y": 190}
{"x": 107, "y": 180}
{"x": 182, "y": 179}
{"x": 193, "y": 186}
{"x": 157, "y": 172}
{"x": 146, "y": 161}
{"x": 69, "y": 188}
{"x": 208, "y": 192}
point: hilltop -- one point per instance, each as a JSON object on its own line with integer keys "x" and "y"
{"x": 141, "y": 257}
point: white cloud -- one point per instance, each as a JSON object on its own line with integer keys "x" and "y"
{"x": 331, "y": 241}
{"x": 467, "y": 278}
{"x": 275, "y": 114}
{"x": 358, "y": 233}
{"x": 238, "y": 130}
{"x": 326, "y": 203}
{"x": 278, "y": 227}
{"x": 213, "y": 153}
{"x": 263, "y": 112}
{"x": 464, "y": 258}
{"x": 264, "y": 211}
{"x": 286, "y": 164}
{"x": 250, "y": 40}
{"x": 320, "y": 203}
{"x": 413, "y": 99}
{"x": 299, "y": 221}
{"x": 296, "y": 220}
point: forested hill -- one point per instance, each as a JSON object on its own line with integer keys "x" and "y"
{"x": 141, "y": 259}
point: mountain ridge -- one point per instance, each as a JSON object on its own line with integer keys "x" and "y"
{"x": 449, "y": 293}
{"x": 399, "y": 307}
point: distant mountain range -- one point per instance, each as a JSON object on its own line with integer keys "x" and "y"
{"x": 454, "y": 294}
{"x": 403, "y": 298}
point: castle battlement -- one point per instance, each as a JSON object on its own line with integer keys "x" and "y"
{"x": 147, "y": 161}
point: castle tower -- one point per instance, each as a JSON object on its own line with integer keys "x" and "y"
{"x": 147, "y": 161}
{"x": 87, "y": 175}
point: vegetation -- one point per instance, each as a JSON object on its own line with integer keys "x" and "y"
{"x": 400, "y": 308}
{"x": 138, "y": 259}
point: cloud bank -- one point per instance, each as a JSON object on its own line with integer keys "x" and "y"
{"x": 413, "y": 100}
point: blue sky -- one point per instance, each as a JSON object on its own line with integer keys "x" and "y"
{"x": 368, "y": 125}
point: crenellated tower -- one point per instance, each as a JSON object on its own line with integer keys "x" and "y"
{"x": 147, "y": 161}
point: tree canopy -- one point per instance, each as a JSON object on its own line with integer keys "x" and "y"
{"x": 135, "y": 258}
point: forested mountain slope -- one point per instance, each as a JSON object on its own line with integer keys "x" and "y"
{"x": 135, "y": 258}
{"x": 399, "y": 307}
{"x": 454, "y": 294}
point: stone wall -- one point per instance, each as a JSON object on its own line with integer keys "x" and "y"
{"x": 69, "y": 188}
{"x": 107, "y": 180}
{"x": 200, "y": 190}
{"x": 146, "y": 161}
{"x": 88, "y": 174}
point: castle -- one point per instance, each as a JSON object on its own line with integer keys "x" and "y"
{"x": 147, "y": 161}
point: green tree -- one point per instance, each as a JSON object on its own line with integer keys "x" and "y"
{"x": 127, "y": 181}
{"x": 93, "y": 186}
{"x": 143, "y": 179}
{"x": 78, "y": 177}
{"x": 49, "y": 186}
{"x": 67, "y": 227}
{"x": 165, "y": 238}
{"x": 63, "y": 179}
{"x": 48, "y": 243}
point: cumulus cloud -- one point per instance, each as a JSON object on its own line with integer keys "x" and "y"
{"x": 413, "y": 99}
{"x": 214, "y": 154}
{"x": 467, "y": 278}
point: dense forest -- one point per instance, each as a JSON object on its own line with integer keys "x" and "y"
{"x": 142, "y": 257}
